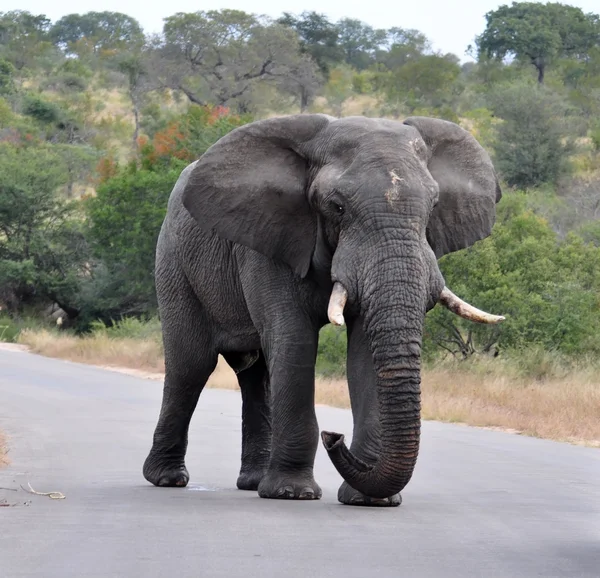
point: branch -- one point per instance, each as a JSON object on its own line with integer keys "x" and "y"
{"x": 191, "y": 96}
{"x": 261, "y": 72}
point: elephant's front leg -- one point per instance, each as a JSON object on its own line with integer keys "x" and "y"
{"x": 291, "y": 362}
{"x": 366, "y": 441}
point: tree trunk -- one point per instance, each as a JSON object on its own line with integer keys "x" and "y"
{"x": 136, "y": 119}
{"x": 540, "y": 65}
{"x": 303, "y": 99}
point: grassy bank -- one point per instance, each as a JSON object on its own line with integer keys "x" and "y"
{"x": 536, "y": 393}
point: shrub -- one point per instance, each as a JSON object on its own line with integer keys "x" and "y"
{"x": 533, "y": 141}
{"x": 547, "y": 286}
{"x": 129, "y": 328}
{"x": 9, "y": 330}
{"x": 40, "y": 109}
{"x": 331, "y": 354}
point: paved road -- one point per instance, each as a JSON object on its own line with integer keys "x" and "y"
{"x": 481, "y": 503}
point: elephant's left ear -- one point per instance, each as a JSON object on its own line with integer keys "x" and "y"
{"x": 469, "y": 188}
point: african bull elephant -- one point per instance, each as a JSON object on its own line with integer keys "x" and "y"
{"x": 287, "y": 223}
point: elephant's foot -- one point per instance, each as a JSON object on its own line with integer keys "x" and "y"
{"x": 348, "y": 495}
{"x": 250, "y": 479}
{"x": 165, "y": 474}
{"x": 289, "y": 486}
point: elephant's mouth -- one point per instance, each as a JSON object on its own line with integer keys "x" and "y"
{"x": 459, "y": 307}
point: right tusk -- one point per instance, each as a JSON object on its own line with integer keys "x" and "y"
{"x": 337, "y": 302}
{"x": 466, "y": 311}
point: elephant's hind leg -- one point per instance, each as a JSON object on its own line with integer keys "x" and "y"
{"x": 256, "y": 419}
{"x": 189, "y": 361}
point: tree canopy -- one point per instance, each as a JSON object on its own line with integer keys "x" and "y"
{"x": 539, "y": 33}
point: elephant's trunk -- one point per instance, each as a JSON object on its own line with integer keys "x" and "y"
{"x": 393, "y": 314}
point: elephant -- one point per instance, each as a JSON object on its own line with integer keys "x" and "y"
{"x": 289, "y": 223}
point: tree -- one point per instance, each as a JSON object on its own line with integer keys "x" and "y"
{"x": 359, "y": 41}
{"x": 425, "y": 81}
{"x": 405, "y": 45}
{"x": 79, "y": 163}
{"x": 132, "y": 65}
{"x": 318, "y": 38}
{"x": 539, "y": 33}
{"x": 218, "y": 57}
{"x": 124, "y": 222}
{"x": 42, "y": 250}
{"x": 96, "y": 32}
{"x": 24, "y": 38}
{"x": 533, "y": 140}
{"x": 339, "y": 88}
{"x": 7, "y": 81}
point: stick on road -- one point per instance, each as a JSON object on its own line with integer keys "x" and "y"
{"x": 481, "y": 503}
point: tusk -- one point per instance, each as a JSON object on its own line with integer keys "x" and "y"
{"x": 466, "y": 311}
{"x": 337, "y": 302}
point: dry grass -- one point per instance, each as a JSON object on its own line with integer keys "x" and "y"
{"x": 98, "y": 349}
{"x": 561, "y": 409}
{"x": 564, "y": 408}
{"x": 3, "y": 450}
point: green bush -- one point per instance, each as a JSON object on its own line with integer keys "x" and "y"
{"x": 129, "y": 328}
{"x": 40, "y": 109}
{"x": 42, "y": 250}
{"x": 331, "y": 354}
{"x": 547, "y": 287}
{"x": 534, "y": 138}
{"x": 9, "y": 330}
{"x": 124, "y": 221}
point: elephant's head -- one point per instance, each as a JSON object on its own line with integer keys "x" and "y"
{"x": 373, "y": 203}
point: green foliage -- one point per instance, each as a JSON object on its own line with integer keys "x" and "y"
{"x": 40, "y": 109}
{"x": 124, "y": 222}
{"x": 129, "y": 328}
{"x": 96, "y": 32}
{"x": 9, "y": 330}
{"x": 331, "y": 354}
{"x": 532, "y": 145}
{"x": 7, "y": 81}
{"x": 425, "y": 81}
{"x": 538, "y": 33}
{"x": 24, "y": 39}
{"x": 318, "y": 38}
{"x": 42, "y": 251}
{"x": 339, "y": 88}
{"x": 359, "y": 42}
{"x": 546, "y": 286}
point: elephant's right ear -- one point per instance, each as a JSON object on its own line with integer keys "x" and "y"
{"x": 251, "y": 188}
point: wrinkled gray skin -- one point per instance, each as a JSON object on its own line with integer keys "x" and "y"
{"x": 257, "y": 231}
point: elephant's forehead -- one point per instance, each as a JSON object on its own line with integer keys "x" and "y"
{"x": 373, "y": 139}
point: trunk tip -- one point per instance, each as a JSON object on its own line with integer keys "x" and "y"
{"x": 332, "y": 440}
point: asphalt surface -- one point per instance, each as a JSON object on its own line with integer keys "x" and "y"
{"x": 481, "y": 503}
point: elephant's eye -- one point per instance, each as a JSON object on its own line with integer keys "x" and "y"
{"x": 336, "y": 207}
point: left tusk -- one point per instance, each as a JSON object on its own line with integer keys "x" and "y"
{"x": 466, "y": 311}
{"x": 337, "y": 302}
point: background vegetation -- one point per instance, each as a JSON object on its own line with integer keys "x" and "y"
{"x": 98, "y": 118}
